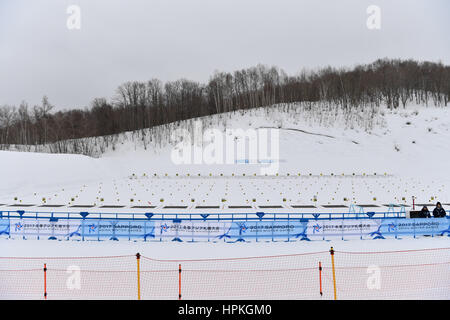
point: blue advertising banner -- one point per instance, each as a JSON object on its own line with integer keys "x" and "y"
{"x": 214, "y": 230}
{"x": 376, "y": 228}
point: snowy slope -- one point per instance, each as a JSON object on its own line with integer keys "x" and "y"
{"x": 323, "y": 160}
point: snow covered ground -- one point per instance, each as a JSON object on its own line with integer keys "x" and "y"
{"x": 404, "y": 155}
{"x": 368, "y": 269}
{"x": 205, "y": 250}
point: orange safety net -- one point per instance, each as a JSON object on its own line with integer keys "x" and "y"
{"x": 407, "y": 274}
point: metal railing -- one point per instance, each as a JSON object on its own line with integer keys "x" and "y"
{"x": 223, "y": 216}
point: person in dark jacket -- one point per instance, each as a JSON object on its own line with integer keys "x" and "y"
{"x": 439, "y": 212}
{"x": 424, "y": 213}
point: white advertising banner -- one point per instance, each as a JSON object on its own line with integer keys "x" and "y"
{"x": 195, "y": 229}
{"x": 43, "y": 227}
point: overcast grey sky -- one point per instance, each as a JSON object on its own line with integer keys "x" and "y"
{"x": 122, "y": 40}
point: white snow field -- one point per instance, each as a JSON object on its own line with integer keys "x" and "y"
{"x": 365, "y": 269}
{"x": 323, "y": 161}
{"x": 405, "y": 154}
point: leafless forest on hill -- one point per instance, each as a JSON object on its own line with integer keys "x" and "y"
{"x": 146, "y": 105}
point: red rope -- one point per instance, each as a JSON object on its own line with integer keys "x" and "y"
{"x": 397, "y": 251}
{"x": 233, "y": 259}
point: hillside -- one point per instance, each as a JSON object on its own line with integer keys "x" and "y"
{"x": 390, "y": 156}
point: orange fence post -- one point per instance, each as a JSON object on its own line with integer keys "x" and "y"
{"x": 334, "y": 272}
{"x": 138, "y": 258}
{"x": 320, "y": 277}
{"x": 179, "y": 282}
{"x": 45, "y": 281}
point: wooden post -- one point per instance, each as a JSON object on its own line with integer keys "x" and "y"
{"x": 45, "y": 281}
{"x": 179, "y": 282}
{"x": 138, "y": 259}
{"x": 334, "y": 272}
{"x": 320, "y": 277}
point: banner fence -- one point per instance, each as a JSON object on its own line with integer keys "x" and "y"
{"x": 228, "y": 231}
